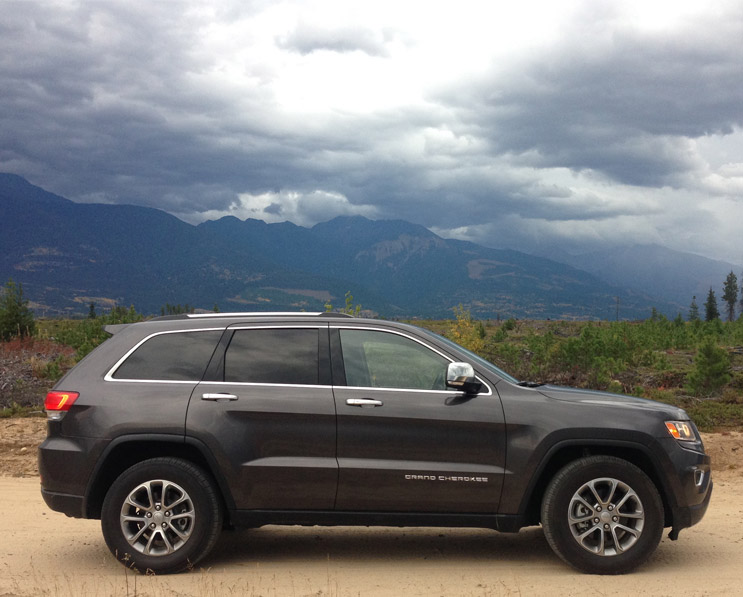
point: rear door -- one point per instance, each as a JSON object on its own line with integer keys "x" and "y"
{"x": 405, "y": 442}
{"x": 266, "y": 412}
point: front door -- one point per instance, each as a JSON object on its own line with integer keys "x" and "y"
{"x": 405, "y": 441}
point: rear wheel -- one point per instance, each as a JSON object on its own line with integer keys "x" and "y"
{"x": 602, "y": 515}
{"x": 161, "y": 515}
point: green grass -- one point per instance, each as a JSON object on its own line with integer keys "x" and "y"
{"x": 16, "y": 410}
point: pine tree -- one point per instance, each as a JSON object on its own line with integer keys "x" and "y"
{"x": 711, "y": 369}
{"x": 730, "y": 294}
{"x": 16, "y": 319}
{"x": 693, "y": 309}
{"x": 711, "y": 312}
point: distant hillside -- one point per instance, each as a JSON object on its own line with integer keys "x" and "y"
{"x": 67, "y": 255}
{"x": 658, "y": 271}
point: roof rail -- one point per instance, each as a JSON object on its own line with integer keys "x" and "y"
{"x": 268, "y": 314}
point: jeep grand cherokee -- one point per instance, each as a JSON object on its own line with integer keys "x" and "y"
{"x": 178, "y": 426}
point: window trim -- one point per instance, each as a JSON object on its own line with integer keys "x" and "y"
{"x": 109, "y": 375}
{"x": 414, "y": 339}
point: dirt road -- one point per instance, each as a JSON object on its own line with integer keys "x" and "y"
{"x": 45, "y": 553}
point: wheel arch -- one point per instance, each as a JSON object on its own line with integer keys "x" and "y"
{"x": 565, "y": 452}
{"x": 126, "y": 451}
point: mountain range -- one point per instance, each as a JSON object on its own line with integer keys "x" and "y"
{"x": 68, "y": 255}
{"x": 656, "y": 270}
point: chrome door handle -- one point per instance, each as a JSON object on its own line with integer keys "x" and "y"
{"x": 218, "y": 397}
{"x": 364, "y": 402}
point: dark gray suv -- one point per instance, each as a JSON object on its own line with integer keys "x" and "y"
{"x": 179, "y": 426}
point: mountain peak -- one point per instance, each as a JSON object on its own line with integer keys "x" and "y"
{"x": 360, "y": 227}
{"x": 16, "y": 188}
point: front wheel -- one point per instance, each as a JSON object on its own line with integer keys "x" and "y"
{"x": 602, "y": 515}
{"x": 161, "y": 515}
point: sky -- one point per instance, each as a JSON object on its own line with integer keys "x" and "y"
{"x": 537, "y": 125}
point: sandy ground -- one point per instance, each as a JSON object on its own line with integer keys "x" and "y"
{"x": 45, "y": 553}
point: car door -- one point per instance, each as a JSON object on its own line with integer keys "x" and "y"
{"x": 266, "y": 413}
{"x": 406, "y": 443}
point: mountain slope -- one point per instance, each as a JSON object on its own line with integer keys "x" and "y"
{"x": 68, "y": 254}
{"x": 658, "y": 271}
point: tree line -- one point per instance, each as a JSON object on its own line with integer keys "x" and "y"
{"x": 729, "y": 298}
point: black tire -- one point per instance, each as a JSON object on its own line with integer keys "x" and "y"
{"x": 161, "y": 516}
{"x": 602, "y": 515}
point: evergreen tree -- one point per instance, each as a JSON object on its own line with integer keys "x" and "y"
{"x": 711, "y": 369}
{"x": 91, "y": 311}
{"x": 16, "y": 319}
{"x": 711, "y": 312}
{"x": 730, "y": 294}
{"x": 693, "y": 310}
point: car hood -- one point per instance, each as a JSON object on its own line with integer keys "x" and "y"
{"x": 594, "y": 397}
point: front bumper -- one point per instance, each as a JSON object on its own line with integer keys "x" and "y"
{"x": 695, "y": 488}
{"x": 688, "y": 516}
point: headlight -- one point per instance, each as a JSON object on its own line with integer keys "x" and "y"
{"x": 681, "y": 430}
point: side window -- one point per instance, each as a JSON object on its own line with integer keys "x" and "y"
{"x": 180, "y": 356}
{"x": 375, "y": 359}
{"x": 280, "y": 355}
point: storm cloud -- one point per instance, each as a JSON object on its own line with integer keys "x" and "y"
{"x": 533, "y": 127}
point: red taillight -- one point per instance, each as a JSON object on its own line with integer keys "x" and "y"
{"x": 60, "y": 401}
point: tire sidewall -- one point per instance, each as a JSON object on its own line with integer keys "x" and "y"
{"x": 557, "y": 503}
{"x": 195, "y": 483}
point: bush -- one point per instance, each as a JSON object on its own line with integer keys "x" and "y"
{"x": 711, "y": 369}
{"x": 467, "y": 332}
{"x": 85, "y": 334}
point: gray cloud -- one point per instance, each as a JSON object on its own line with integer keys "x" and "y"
{"x": 306, "y": 38}
{"x": 624, "y": 107}
{"x": 592, "y": 138}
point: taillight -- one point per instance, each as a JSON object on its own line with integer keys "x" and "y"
{"x": 58, "y": 403}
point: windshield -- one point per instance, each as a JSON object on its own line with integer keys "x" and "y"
{"x": 476, "y": 359}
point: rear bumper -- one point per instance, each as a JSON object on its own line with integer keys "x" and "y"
{"x": 71, "y": 505}
{"x": 64, "y": 468}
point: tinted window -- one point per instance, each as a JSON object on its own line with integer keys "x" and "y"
{"x": 382, "y": 360}
{"x": 181, "y": 356}
{"x": 282, "y": 355}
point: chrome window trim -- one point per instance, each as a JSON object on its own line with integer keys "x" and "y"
{"x": 109, "y": 376}
{"x": 256, "y": 383}
{"x": 288, "y": 325}
{"x": 414, "y": 339}
{"x": 234, "y": 326}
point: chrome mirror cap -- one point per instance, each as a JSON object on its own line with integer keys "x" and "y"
{"x": 461, "y": 376}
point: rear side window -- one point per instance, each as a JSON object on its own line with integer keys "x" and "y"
{"x": 180, "y": 356}
{"x": 277, "y": 356}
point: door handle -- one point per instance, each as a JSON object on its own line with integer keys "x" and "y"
{"x": 364, "y": 402}
{"x": 218, "y": 397}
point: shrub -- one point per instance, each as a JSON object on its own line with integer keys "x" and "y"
{"x": 466, "y": 332}
{"x": 711, "y": 369}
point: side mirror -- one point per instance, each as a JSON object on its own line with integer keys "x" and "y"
{"x": 461, "y": 376}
